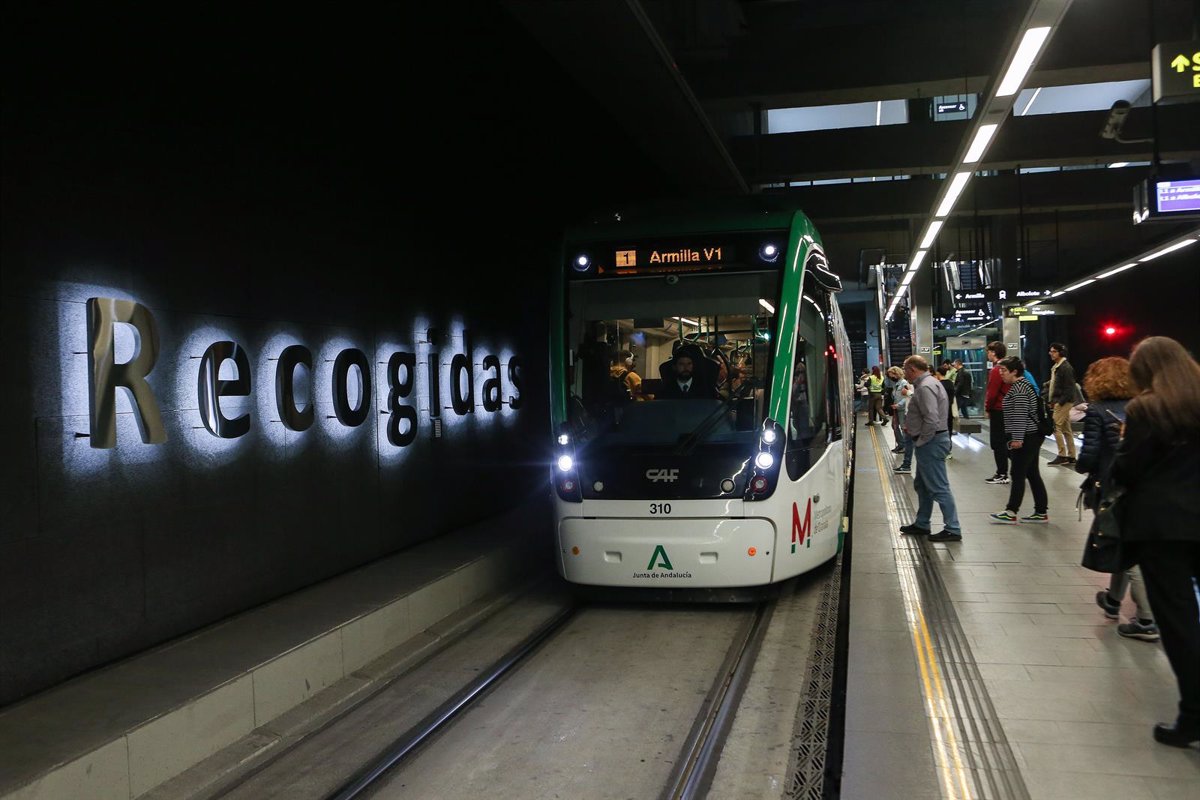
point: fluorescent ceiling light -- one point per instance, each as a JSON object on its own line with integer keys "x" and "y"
{"x": 915, "y": 264}
{"x": 1056, "y": 294}
{"x": 1118, "y": 164}
{"x": 930, "y": 235}
{"x": 878, "y": 111}
{"x": 1115, "y": 271}
{"x": 982, "y": 137}
{"x": 1034, "y": 303}
{"x": 1031, "y": 44}
{"x": 687, "y": 321}
{"x": 901, "y": 290}
{"x": 956, "y": 187}
{"x": 770, "y": 308}
{"x": 1166, "y": 250}
{"x": 907, "y": 279}
{"x": 1078, "y": 285}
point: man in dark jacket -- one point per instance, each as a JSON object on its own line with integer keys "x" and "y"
{"x": 1061, "y": 395}
{"x": 963, "y": 387}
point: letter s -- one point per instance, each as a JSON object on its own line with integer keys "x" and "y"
{"x": 517, "y": 379}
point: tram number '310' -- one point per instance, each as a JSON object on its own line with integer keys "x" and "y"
{"x": 660, "y": 508}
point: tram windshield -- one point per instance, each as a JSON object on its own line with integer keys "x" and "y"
{"x": 674, "y": 361}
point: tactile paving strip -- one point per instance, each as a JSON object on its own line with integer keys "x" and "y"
{"x": 969, "y": 743}
{"x": 811, "y": 732}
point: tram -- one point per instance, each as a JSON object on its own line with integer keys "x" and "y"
{"x": 701, "y": 398}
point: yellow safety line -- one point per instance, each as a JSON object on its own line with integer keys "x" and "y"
{"x": 955, "y": 783}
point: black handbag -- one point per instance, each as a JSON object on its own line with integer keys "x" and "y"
{"x": 1089, "y": 492}
{"x": 1102, "y": 553}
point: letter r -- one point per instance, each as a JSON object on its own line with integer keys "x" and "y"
{"x": 105, "y": 375}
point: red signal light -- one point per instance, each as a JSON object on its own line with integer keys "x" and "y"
{"x": 1110, "y": 331}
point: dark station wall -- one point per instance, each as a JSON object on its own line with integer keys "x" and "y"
{"x": 393, "y": 181}
{"x": 1159, "y": 298}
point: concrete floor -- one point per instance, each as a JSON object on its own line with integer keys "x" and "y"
{"x": 1075, "y": 701}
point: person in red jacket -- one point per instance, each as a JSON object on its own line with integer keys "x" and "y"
{"x": 993, "y": 404}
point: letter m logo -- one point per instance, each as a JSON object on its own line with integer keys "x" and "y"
{"x": 801, "y": 531}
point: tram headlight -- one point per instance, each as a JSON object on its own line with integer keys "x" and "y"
{"x": 764, "y": 460}
{"x": 769, "y": 252}
{"x": 769, "y": 436}
{"x": 582, "y": 262}
{"x": 563, "y": 439}
{"x": 565, "y": 463}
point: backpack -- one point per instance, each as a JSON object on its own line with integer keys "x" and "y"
{"x": 616, "y": 390}
{"x": 1045, "y": 422}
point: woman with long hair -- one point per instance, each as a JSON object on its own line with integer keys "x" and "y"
{"x": 1109, "y": 387}
{"x": 1158, "y": 463}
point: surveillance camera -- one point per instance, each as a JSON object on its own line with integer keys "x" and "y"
{"x": 672, "y": 280}
{"x": 1116, "y": 120}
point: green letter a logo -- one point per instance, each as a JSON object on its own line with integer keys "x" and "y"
{"x": 666, "y": 562}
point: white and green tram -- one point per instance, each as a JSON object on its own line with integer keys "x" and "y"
{"x": 724, "y": 459}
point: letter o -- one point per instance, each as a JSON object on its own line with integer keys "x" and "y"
{"x": 351, "y": 417}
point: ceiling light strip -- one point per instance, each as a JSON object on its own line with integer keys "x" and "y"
{"x": 956, "y": 187}
{"x": 931, "y": 235}
{"x": 983, "y": 137}
{"x": 1027, "y": 52}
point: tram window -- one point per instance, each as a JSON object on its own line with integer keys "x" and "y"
{"x": 808, "y": 424}
{"x": 654, "y": 362}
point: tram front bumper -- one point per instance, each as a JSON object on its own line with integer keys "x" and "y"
{"x": 694, "y": 552}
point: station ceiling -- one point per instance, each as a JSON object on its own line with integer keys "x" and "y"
{"x": 691, "y": 83}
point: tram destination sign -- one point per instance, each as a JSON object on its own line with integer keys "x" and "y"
{"x": 976, "y": 297}
{"x": 722, "y": 252}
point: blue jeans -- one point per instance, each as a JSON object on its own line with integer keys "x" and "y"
{"x": 932, "y": 483}
{"x": 908, "y": 451}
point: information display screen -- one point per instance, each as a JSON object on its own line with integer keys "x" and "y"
{"x": 1175, "y": 197}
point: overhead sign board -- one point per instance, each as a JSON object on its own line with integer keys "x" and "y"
{"x": 952, "y": 108}
{"x": 967, "y": 343}
{"x": 1175, "y": 71}
{"x": 1040, "y": 310}
{"x": 975, "y": 297}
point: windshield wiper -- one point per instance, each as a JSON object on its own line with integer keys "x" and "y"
{"x": 688, "y": 443}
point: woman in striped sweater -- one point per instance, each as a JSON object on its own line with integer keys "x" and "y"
{"x": 1024, "y": 444}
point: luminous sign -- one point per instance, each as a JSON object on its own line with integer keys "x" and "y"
{"x": 351, "y": 383}
{"x": 993, "y": 295}
{"x": 951, "y": 108}
{"x": 703, "y": 253}
{"x": 1042, "y": 310}
{"x": 1175, "y": 71}
{"x": 1177, "y": 196}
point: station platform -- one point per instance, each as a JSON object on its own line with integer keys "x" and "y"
{"x": 205, "y": 704}
{"x": 984, "y": 668}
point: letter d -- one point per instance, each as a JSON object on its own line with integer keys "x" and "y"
{"x": 105, "y": 375}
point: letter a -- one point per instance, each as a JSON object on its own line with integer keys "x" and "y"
{"x": 666, "y": 562}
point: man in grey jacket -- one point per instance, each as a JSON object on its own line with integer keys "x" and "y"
{"x": 928, "y": 410}
{"x": 1061, "y": 396}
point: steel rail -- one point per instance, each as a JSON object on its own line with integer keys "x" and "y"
{"x": 694, "y": 773}
{"x": 447, "y": 712}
